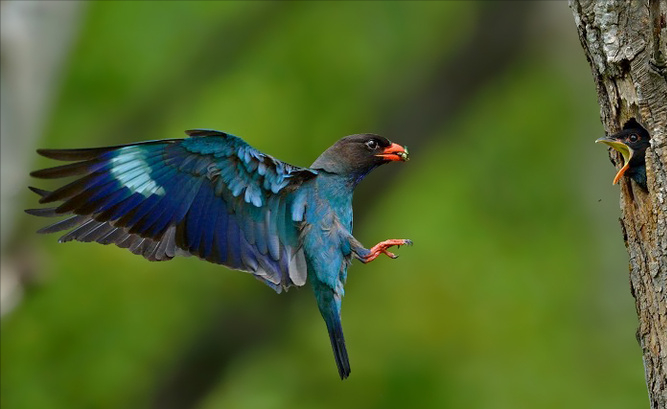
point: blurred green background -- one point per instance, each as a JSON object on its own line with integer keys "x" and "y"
{"x": 515, "y": 294}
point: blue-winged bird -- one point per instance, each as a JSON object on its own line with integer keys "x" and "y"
{"x": 214, "y": 196}
{"x": 631, "y": 143}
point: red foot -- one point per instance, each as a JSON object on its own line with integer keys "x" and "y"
{"x": 382, "y": 248}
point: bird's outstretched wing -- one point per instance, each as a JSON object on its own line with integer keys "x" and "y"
{"x": 211, "y": 195}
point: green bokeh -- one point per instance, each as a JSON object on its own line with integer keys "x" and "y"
{"x": 514, "y": 295}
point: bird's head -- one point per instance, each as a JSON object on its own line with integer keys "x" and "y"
{"x": 632, "y": 144}
{"x": 356, "y": 155}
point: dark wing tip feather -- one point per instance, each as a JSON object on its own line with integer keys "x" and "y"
{"x": 73, "y": 154}
{"x": 71, "y": 169}
{"x": 93, "y": 153}
{"x": 204, "y": 132}
{"x": 40, "y": 192}
{"x": 44, "y": 212}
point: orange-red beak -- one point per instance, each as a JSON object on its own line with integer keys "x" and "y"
{"x": 394, "y": 152}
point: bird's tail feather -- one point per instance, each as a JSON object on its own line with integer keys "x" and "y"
{"x": 338, "y": 346}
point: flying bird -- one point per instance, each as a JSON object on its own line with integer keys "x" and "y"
{"x": 214, "y": 196}
{"x": 631, "y": 143}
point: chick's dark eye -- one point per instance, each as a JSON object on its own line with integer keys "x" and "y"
{"x": 372, "y": 144}
{"x": 633, "y": 138}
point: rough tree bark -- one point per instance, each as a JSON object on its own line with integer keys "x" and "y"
{"x": 625, "y": 43}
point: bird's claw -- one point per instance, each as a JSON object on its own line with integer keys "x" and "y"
{"x": 390, "y": 254}
{"x": 406, "y": 242}
{"x": 381, "y": 248}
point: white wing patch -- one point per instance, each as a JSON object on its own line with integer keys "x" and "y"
{"x": 131, "y": 169}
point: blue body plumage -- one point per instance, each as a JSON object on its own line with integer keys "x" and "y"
{"x": 214, "y": 196}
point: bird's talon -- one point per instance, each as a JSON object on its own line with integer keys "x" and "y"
{"x": 389, "y": 254}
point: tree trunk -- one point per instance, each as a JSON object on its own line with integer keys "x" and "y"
{"x": 624, "y": 42}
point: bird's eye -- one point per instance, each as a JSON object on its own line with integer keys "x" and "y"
{"x": 372, "y": 144}
{"x": 633, "y": 137}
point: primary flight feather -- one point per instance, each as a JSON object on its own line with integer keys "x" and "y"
{"x": 214, "y": 196}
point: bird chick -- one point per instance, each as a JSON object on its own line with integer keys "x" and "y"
{"x": 632, "y": 144}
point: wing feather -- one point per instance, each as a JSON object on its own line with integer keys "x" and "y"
{"x": 211, "y": 195}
